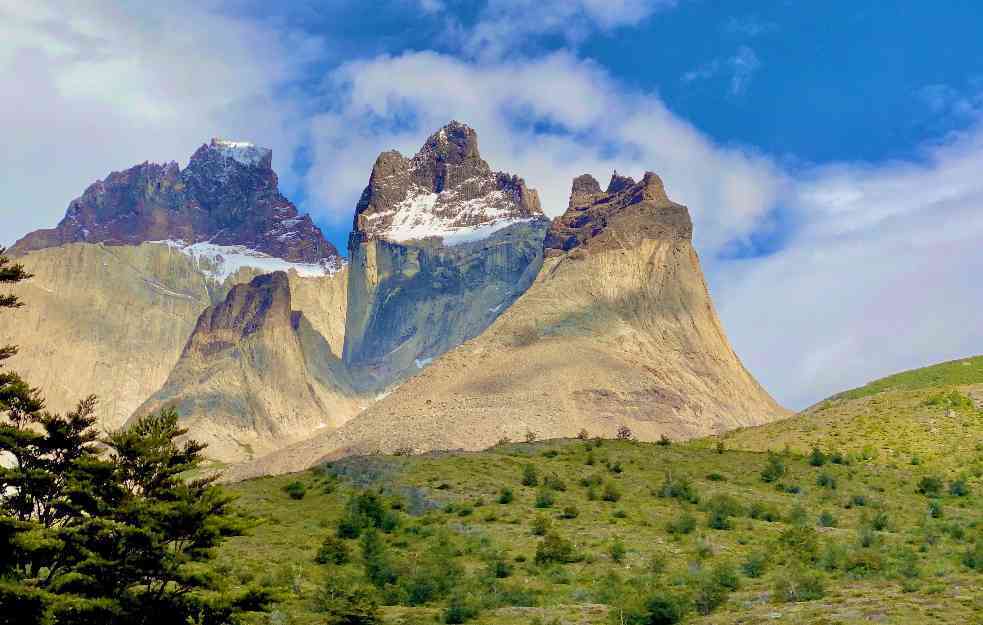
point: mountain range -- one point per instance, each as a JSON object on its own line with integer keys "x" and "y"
{"x": 462, "y": 315}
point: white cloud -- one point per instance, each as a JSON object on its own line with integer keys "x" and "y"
{"x": 595, "y": 125}
{"x": 882, "y": 275}
{"x": 507, "y": 26}
{"x": 743, "y": 66}
{"x": 100, "y": 87}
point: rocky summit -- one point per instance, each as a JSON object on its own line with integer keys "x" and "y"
{"x": 228, "y": 195}
{"x": 255, "y": 375}
{"x": 440, "y": 246}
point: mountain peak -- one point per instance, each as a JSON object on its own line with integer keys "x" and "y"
{"x": 227, "y": 195}
{"x": 243, "y": 152}
{"x": 446, "y": 191}
{"x": 627, "y": 212}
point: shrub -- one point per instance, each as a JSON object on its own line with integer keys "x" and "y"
{"x": 716, "y": 477}
{"x": 570, "y": 512}
{"x": 678, "y": 487}
{"x": 344, "y": 604}
{"x": 764, "y": 512}
{"x": 817, "y": 458}
{"x": 973, "y": 558}
{"x": 837, "y": 457}
{"x": 615, "y": 467}
{"x": 589, "y": 461}
{"x": 459, "y": 610}
{"x": 333, "y": 551}
{"x": 664, "y": 441}
{"x": 826, "y": 481}
{"x": 296, "y": 490}
{"x": 826, "y": 519}
{"x": 863, "y": 562}
{"x": 378, "y": 568}
{"x": 624, "y": 433}
{"x": 958, "y": 488}
{"x": 617, "y": 550}
{"x": 505, "y": 496}
{"x": 611, "y": 492}
{"x": 544, "y": 498}
{"x": 658, "y": 608}
{"x": 800, "y": 542}
{"x": 531, "y": 436}
{"x": 710, "y": 588}
{"x": 499, "y": 568}
{"x": 880, "y": 521}
{"x": 930, "y": 486}
{"x": 530, "y": 477}
{"x": 755, "y": 564}
{"x": 554, "y": 482}
{"x": 719, "y": 509}
{"x": 619, "y": 514}
{"x": 774, "y": 469}
{"x": 540, "y": 525}
{"x": 685, "y": 523}
{"x": 554, "y": 548}
{"x": 363, "y": 510}
{"x": 583, "y": 435}
{"x": 799, "y": 584}
{"x": 858, "y": 501}
{"x": 935, "y": 509}
{"x": 798, "y": 515}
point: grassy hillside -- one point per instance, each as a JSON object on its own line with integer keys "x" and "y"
{"x": 928, "y": 416}
{"x": 624, "y": 532}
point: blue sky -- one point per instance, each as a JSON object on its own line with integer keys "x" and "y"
{"x": 830, "y": 152}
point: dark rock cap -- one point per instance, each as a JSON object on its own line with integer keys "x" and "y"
{"x": 626, "y": 213}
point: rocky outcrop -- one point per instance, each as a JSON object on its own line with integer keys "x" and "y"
{"x": 113, "y": 319}
{"x": 618, "y": 329}
{"x": 627, "y": 212}
{"x": 440, "y": 246}
{"x": 227, "y": 195}
{"x": 255, "y": 375}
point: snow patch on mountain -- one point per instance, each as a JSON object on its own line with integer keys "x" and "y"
{"x": 241, "y": 151}
{"x": 220, "y": 262}
{"x": 447, "y": 216}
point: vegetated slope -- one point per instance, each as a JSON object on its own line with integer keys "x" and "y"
{"x": 928, "y": 416}
{"x": 460, "y": 533}
{"x": 619, "y": 330}
{"x": 255, "y": 375}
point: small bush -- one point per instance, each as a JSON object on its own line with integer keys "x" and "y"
{"x": 799, "y": 585}
{"x": 624, "y": 433}
{"x": 657, "y": 608}
{"x": 553, "y": 548}
{"x": 540, "y": 525}
{"x": 826, "y": 481}
{"x": 826, "y": 519}
{"x": 930, "y": 486}
{"x": 720, "y": 508}
{"x": 617, "y": 550}
{"x": 798, "y": 515}
{"x": 505, "y": 496}
{"x": 864, "y": 562}
{"x": 755, "y": 564}
{"x": 774, "y": 469}
{"x": 296, "y": 490}
{"x": 858, "y": 501}
{"x": 616, "y": 467}
{"x": 817, "y": 458}
{"x": 570, "y": 512}
{"x": 611, "y": 492}
{"x": 333, "y": 551}
{"x": 685, "y": 523}
{"x": 678, "y": 487}
{"x": 880, "y": 521}
{"x": 973, "y": 557}
{"x": 544, "y": 499}
{"x": 530, "y": 477}
{"x": 935, "y": 509}
{"x": 800, "y": 542}
{"x": 553, "y": 481}
{"x": 716, "y": 477}
{"x": 664, "y": 441}
{"x": 583, "y": 435}
{"x": 958, "y": 488}
{"x": 459, "y": 610}
{"x": 343, "y": 604}
{"x": 764, "y": 512}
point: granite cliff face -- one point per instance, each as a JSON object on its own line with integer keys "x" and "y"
{"x": 255, "y": 375}
{"x": 440, "y": 246}
{"x": 227, "y": 196}
{"x": 617, "y": 329}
